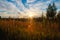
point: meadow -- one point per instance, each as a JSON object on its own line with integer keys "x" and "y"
{"x": 29, "y": 29}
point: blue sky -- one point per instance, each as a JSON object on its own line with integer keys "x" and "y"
{"x": 20, "y": 8}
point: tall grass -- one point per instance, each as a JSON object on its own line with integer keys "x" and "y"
{"x": 29, "y": 30}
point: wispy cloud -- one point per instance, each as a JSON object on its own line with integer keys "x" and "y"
{"x": 13, "y": 7}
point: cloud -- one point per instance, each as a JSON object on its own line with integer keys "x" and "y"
{"x": 8, "y": 9}
{"x": 28, "y": 1}
{"x": 12, "y": 7}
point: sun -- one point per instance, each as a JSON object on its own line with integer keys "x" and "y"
{"x": 30, "y": 14}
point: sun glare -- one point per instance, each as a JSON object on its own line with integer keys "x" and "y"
{"x": 30, "y": 15}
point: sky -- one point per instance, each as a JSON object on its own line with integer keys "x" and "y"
{"x": 21, "y": 8}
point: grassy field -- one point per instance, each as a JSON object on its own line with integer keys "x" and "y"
{"x": 29, "y": 30}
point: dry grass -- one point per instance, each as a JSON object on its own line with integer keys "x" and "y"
{"x": 29, "y": 30}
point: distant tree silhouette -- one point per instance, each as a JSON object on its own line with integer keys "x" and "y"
{"x": 54, "y": 9}
{"x": 51, "y": 11}
{"x": 42, "y": 14}
{"x": 0, "y": 17}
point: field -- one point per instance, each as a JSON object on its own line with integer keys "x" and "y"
{"x": 29, "y": 29}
